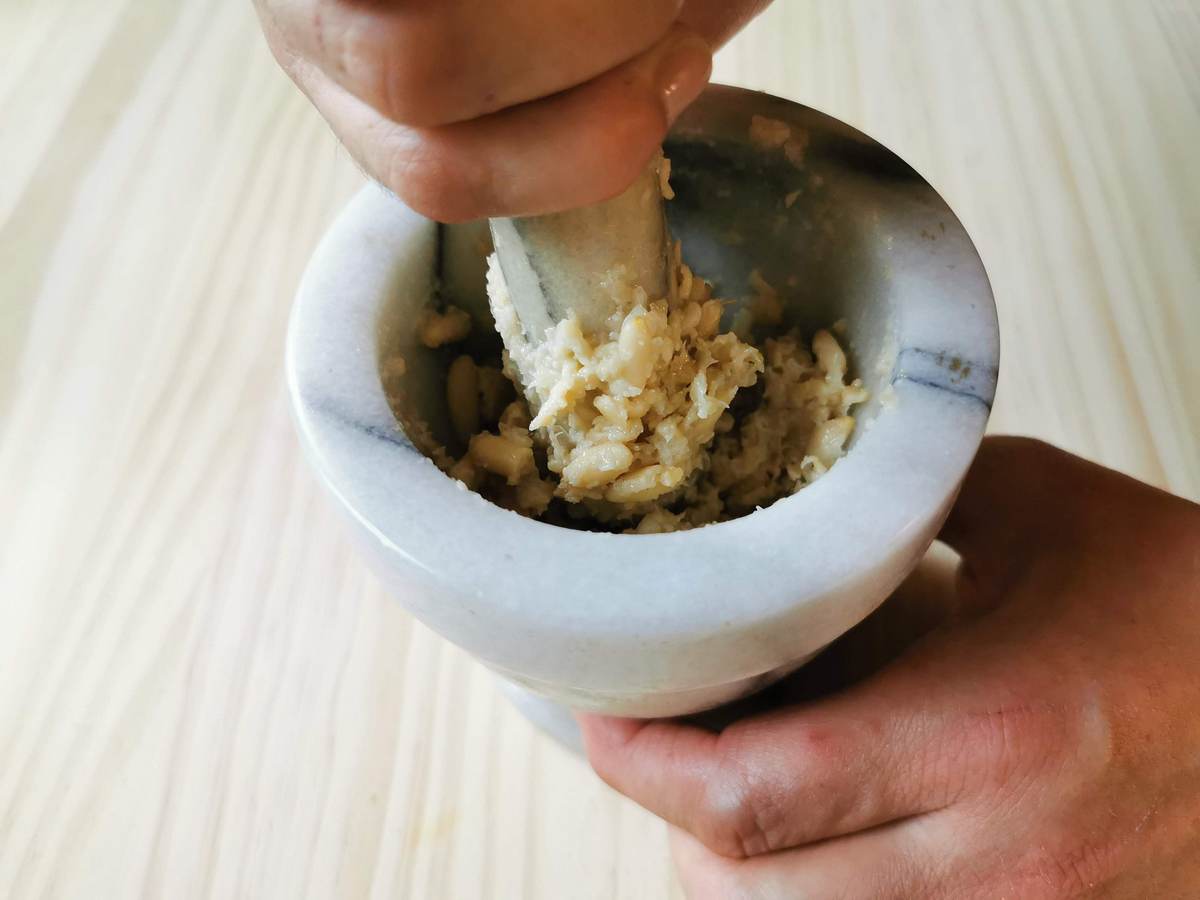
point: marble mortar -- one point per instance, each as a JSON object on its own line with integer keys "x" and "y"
{"x": 664, "y": 625}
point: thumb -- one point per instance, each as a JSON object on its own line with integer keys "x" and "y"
{"x": 720, "y": 20}
{"x": 1019, "y": 499}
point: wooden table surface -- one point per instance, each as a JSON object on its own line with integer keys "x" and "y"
{"x": 202, "y": 690}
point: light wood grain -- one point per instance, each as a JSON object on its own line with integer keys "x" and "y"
{"x": 202, "y": 691}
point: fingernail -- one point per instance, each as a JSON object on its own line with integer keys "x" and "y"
{"x": 684, "y": 65}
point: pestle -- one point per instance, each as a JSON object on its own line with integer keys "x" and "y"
{"x": 557, "y": 264}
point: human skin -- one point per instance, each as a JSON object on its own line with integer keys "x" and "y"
{"x": 511, "y": 107}
{"x": 1041, "y": 740}
{"x": 1032, "y": 733}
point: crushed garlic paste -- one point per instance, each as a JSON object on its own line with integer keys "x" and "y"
{"x": 636, "y": 427}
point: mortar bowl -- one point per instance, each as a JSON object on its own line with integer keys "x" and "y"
{"x": 669, "y": 624}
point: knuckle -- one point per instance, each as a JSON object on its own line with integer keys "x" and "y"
{"x": 744, "y": 813}
{"x": 835, "y": 801}
{"x": 410, "y": 81}
{"x": 732, "y": 819}
{"x": 432, "y": 187}
{"x": 397, "y": 61}
{"x": 401, "y": 66}
{"x": 433, "y": 182}
{"x": 823, "y": 748}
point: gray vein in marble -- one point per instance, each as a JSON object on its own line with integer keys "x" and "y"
{"x": 945, "y": 370}
{"x": 396, "y": 436}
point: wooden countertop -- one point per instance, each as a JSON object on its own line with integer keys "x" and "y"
{"x": 202, "y": 690}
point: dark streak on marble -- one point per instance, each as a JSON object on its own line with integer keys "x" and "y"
{"x": 394, "y": 436}
{"x": 942, "y": 386}
{"x": 946, "y": 371}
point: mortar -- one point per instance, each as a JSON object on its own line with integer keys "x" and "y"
{"x": 664, "y": 625}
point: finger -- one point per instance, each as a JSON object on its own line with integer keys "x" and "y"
{"x": 928, "y": 600}
{"x": 719, "y": 20}
{"x": 919, "y": 736}
{"x": 1022, "y": 496}
{"x": 1001, "y": 502}
{"x": 576, "y": 148}
{"x": 778, "y": 780}
{"x": 1020, "y": 499}
{"x": 427, "y": 64}
{"x": 892, "y": 862}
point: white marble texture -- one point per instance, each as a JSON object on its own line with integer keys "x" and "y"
{"x": 653, "y": 625}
